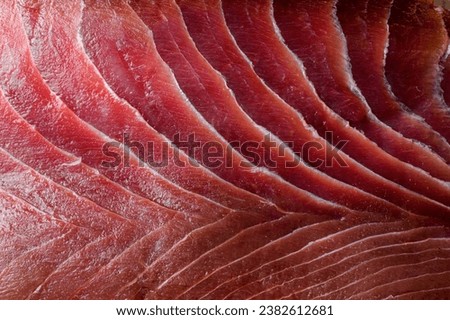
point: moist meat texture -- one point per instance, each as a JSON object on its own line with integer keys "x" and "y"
{"x": 208, "y": 149}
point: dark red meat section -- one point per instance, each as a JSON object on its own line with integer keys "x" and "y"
{"x": 207, "y": 149}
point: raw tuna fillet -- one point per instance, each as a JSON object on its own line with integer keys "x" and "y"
{"x": 417, "y": 42}
{"x": 86, "y": 94}
{"x": 50, "y": 116}
{"x": 30, "y": 96}
{"x": 289, "y": 81}
{"x": 109, "y": 188}
{"x": 33, "y": 243}
{"x": 270, "y": 254}
{"x": 71, "y": 90}
{"x": 364, "y": 24}
{"x": 319, "y": 254}
{"x": 346, "y": 260}
{"x": 322, "y": 40}
{"x": 197, "y": 79}
{"x": 180, "y": 223}
{"x": 176, "y": 114}
{"x": 68, "y": 171}
{"x": 445, "y": 84}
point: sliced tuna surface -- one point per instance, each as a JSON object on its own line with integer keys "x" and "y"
{"x": 32, "y": 98}
{"x": 181, "y": 118}
{"x": 193, "y": 149}
{"x": 323, "y": 40}
{"x": 198, "y": 80}
{"x": 85, "y": 92}
{"x": 352, "y": 172}
{"x": 445, "y": 63}
{"x": 67, "y": 170}
{"x": 417, "y": 42}
{"x": 365, "y": 27}
{"x": 285, "y": 75}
